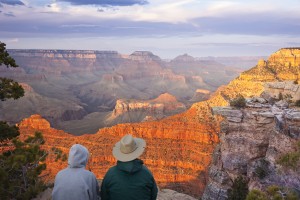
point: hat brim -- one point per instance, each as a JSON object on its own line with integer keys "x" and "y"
{"x": 141, "y": 145}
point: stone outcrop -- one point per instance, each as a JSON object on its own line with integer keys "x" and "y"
{"x": 163, "y": 105}
{"x": 264, "y": 76}
{"x": 288, "y": 89}
{"x": 144, "y": 56}
{"x": 184, "y": 58}
{"x": 164, "y": 194}
{"x": 249, "y": 138}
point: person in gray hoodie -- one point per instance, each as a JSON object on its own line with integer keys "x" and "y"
{"x": 75, "y": 182}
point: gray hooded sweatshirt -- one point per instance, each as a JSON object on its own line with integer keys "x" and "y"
{"x": 75, "y": 182}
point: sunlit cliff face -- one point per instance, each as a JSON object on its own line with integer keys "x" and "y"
{"x": 178, "y": 149}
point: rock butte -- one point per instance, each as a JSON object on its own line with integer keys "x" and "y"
{"x": 179, "y": 148}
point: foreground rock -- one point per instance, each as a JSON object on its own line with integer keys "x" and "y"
{"x": 164, "y": 194}
{"x": 250, "y": 146}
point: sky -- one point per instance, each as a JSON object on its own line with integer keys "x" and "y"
{"x": 165, "y": 27}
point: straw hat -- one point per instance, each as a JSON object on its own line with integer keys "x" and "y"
{"x": 129, "y": 148}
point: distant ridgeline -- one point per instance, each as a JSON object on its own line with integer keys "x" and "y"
{"x": 180, "y": 147}
{"x": 78, "y": 90}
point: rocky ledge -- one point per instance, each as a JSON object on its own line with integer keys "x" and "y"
{"x": 253, "y": 139}
{"x": 164, "y": 194}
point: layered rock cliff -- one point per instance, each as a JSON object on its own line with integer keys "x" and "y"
{"x": 138, "y": 110}
{"x": 251, "y": 142}
{"x": 178, "y": 148}
{"x": 251, "y": 137}
{"x": 254, "y": 81}
{"x": 92, "y": 82}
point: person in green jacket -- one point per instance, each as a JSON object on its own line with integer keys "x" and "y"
{"x": 129, "y": 179}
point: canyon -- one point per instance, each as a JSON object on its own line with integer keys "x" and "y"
{"x": 78, "y": 90}
{"x": 181, "y": 148}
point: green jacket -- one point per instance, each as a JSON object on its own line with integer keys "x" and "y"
{"x": 129, "y": 181}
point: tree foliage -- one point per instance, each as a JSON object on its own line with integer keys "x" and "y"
{"x": 8, "y": 132}
{"x": 5, "y": 58}
{"x": 20, "y": 168}
{"x": 8, "y": 87}
{"x": 21, "y": 162}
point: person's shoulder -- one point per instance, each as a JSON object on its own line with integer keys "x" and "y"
{"x": 88, "y": 172}
{"x": 63, "y": 171}
{"x": 111, "y": 170}
{"x": 146, "y": 171}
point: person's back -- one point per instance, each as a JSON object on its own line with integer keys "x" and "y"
{"x": 129, "y": 179}
{"x": 75, "y": 182}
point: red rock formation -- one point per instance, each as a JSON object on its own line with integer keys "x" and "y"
{"x": 178, "y": 148}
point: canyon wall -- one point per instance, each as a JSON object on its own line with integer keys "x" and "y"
{"x": 78, "y": 85}
{"x": 251, "y": 140}
{"x": 179, "y": 147}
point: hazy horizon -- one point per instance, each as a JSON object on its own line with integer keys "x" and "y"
{"x": 197, "y": 27}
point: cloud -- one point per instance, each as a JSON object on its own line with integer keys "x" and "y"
{"x": 9, "y": 14}
{"x": 11, "y": 2}
{"x": 106, "y": 2}
{"x": 267, "y": 23}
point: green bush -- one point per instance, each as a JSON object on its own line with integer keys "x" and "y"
{"x": 273, "y": 192}
{"x": 256, "y": 195}
{"x": 239, "y": 189}
{"x": 238, "y": 102}
{"x": 261, "y": 170}
{"x": 290, "y": 160}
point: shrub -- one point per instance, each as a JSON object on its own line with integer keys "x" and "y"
{"x": 239, "y": 189}
{"x": 256, "y": 195}
{"x": 262, "y": 169}
{"x": 238, "y": 102}
{"x": 290, "y": 159}
{"x": 273, "y": 192}
{"x": 297, "y": 103}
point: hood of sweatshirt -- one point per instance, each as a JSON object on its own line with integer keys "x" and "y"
{"x": 130, "y": 167}
{"x": 78, "y": 156}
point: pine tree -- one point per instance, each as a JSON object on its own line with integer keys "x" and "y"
{"x": 8, "y": 87}
{"x": 21, "y": 162}
{"x": 20, "y": 168}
